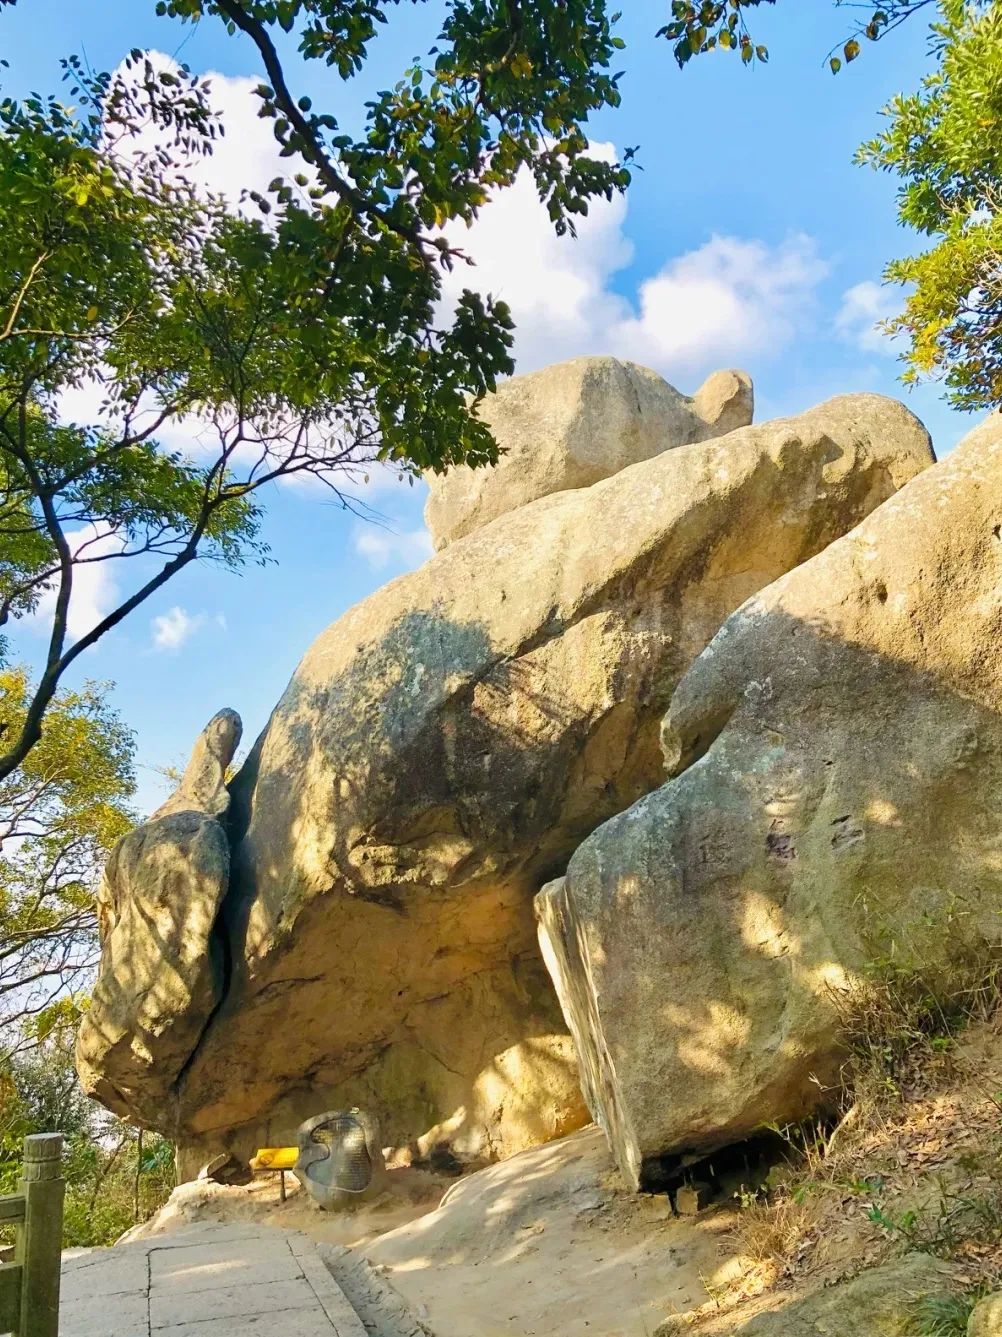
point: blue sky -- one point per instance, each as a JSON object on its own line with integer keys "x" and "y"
{"x": 748, "y": 239}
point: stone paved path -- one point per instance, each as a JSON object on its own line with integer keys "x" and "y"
{"x": 205, "y": 1281}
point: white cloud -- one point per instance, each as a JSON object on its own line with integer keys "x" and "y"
{"x": 557, "y": 287}
{"x": 95, "y": 589}
{"x": 84, "y": 404}
{"x": 172, "y": 629}
{"x": 863, "y": 306}
{"x": 729, "y": 299}
{"x": 382, "y": 548}
{"x": 245, "y": 157}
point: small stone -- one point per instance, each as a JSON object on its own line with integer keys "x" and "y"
{"x": 161, "y": 973}
{"x": 692, "y": 1198}
{"x": 986, "y": 1317}
{"x": 227, "y": 1169}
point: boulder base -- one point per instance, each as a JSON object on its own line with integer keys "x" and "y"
{"x": 986, "y": 1317}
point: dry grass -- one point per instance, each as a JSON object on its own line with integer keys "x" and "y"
{"x": 914, "y": 1162}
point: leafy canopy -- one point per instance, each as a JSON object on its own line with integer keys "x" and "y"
{"x": 945, "y": 143}
{"x": 303, "y": 332}
{"x": 61, "y": 813}
{"x": 698, "y": 26}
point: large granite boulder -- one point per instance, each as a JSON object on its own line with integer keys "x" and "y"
{"x": 878, "y": 1302}
{"x": 161, "y": 971}
{"x": 835, "y": 816}
{"x": 440, "y": 752}
{"x": 574, "y": 424}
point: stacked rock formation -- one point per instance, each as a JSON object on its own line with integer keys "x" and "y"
{"x": 161, "y": 972}
{"x": 573, "y": 424}
{"x": 838, "y": 755}
{"x": 446, "y": 745}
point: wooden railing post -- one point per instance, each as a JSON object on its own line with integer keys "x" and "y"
{"x": 40, "y": 1240}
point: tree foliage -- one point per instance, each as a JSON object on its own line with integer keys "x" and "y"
{"x": 945, "y": 143}
{"x": 61, "y": 812}
{"x": 698, "y": 26}
{"x": 305, "y": 332}
{"x": 114, "y": 1174}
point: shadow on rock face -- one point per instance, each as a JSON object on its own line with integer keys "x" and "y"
{"x": 441, "y": 751}
{"x": 834, "y": 826}
{"x": 162, "y": 959}
{"x": 161, "y": 970}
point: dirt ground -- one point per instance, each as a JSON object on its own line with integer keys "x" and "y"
{"x": 410, "y": 1194}
{"x": 545, "y": 1243}
{"x": 550, "y": 1243}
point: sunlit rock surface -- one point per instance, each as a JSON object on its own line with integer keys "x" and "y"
{"x": 162, "y": 970}
{"x": 438, "y": 755}
{"x": 573, "y": 424}
{"x": 834, "y": 818}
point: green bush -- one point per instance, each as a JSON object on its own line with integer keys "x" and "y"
{"x": 115, "y": 1175}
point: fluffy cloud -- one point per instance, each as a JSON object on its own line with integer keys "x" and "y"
{"x": 727, "y": 300}
{"x": 558, "y": 288}
{"x": 730, "y": 299}
{"x": 173, "y": 628}
{"x": 863, "y": 306}
{"x": 382, "y": 548}
{"x": 95, "y": 589}
{"x": 246, "y": 156}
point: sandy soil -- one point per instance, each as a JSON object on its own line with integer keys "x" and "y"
{"x": 410, "y": 1194}
{"x": 548, "y": 1243}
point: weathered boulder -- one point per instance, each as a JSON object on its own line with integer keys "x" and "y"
{"x": 574, "y": 424}
{"x": 880, "y": 1302}
{"x": 838, "y": 750}
{"x": 203, "y": 785}
{"x": 440, "y": 752}
{"x": 161, "y": 973}
{"x": 986, "y": 1317}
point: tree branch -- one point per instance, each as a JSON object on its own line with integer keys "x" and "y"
{"x": 313, "y": 149}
